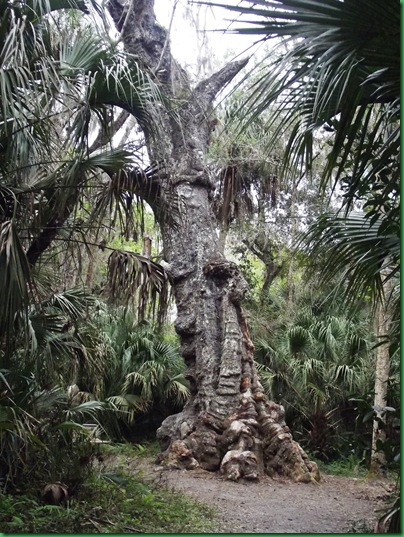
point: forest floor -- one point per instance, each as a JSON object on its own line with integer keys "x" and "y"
{"x": 335, "y": 505}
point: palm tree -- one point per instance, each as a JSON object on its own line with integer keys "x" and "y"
{"x": 56, "y": 88}
{"x": 42, "y": 436}
{"x": 314, "y": 361}
{"x": 140, "y": 371}
{"x": 364, "y": 253}
{"x": 60, "y": 85}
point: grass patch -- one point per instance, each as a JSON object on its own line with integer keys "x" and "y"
{"x": 111, "y": 503}
{"x": 343, "y": 467}
{"x": 146, "y": 449}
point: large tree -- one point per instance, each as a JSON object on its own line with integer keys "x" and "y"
{"x": 228, "y": 423}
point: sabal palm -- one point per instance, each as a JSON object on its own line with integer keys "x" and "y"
{"x": 143, "y": 371}
{"x": 55, "y": 86}
{"x": 356, "y": 250}
{"x": 36, "y": 426}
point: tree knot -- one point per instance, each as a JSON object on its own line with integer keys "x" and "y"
{"x": 227, "y": 273}
{"x": 220, "y": 270}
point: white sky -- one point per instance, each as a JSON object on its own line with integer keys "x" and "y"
{"x": 210, "y": 49}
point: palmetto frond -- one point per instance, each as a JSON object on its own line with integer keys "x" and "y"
{"x": 15, "y": 278}
{"x": 318, "y": 359}
{"x": 339, "y": 70}
{"x": 74, "y": 302}
{"x": 129, "y": 405}
{"x": 357, "y": 248}
{"x": 56, "y": 90}
{"x": 132, "y": 275}
{"x": 35, "y": 421}
{"x": 299, "y": 339}
{"x": 177, "y": 391}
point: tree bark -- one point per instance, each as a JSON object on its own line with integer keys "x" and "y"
{"x": 378, "y": 462}
{"x": 228, "y": 423}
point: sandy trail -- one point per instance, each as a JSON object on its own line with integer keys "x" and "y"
{"x": 279, "y": 506}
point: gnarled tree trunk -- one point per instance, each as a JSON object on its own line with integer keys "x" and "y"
{"x": 228, "y": 423}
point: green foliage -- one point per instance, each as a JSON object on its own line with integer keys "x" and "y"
{"x": 252, "y": 271}
{"x": 123, "y": 377}
{"x": 350, "y": 466}
{"x": 313, "y": 361}
{"x": 390, "y": 521}
{"x": 332, "y": 70}
{"x": 356, "y": 250}
{"x": 331, "y": 78}
{"x": 387, "y": 418}
{"x": 42, "y": 439}
{"x": 137, "y": 370}
{"x": 110, "y": 503}
{"x": 61, "y": 82}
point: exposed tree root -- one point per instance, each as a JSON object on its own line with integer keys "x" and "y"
{"x": 244, "y": 446}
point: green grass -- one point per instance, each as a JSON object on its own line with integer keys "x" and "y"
{"x": 110, "y": 501}
{"x": 351, "y": 467}
{"x": 114, "y": 503}
{"x": 145, "y": 449}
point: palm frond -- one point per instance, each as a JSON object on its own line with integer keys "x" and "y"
{"x": 15, "y": 278}
{"x": 336, "y": 69}
{"x": 132, "y": 275}
{"x": 355, "y": 247}
{"x": 299, "y": 339}
{"x": 177, "y": 391}
{"x": 74, "y": 302}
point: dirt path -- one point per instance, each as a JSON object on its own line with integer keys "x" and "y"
{"x": 279, "y": 506}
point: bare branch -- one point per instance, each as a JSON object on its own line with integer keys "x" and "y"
{"x": 207, "y": 90}
{"x": 104, "y": 136}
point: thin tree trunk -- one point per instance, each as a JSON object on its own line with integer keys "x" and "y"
{"x": 228, "y": 423}
{"x": 90, "y": 267}
{"x": 293, "y": 232}
{"x": 382, "y": 326}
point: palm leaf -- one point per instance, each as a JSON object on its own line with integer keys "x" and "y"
{"x": 131, "y": 275}
{"x": 15, "y": 278}
{"x": 355, "y": 247}
{"x": 73, "y": 302}
{"x": 340, "y": 71}
{"x": 299, "y": 339}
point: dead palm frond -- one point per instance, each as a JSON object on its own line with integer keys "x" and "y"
{"x": 135, "y": 277}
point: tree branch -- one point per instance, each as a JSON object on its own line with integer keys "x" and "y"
{"x": 104, "y": 136}
{"x": 147, "y": 40}
{"x": 207, "y": 90}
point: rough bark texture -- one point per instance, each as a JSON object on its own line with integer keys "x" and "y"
{"x": 228, "y": 424}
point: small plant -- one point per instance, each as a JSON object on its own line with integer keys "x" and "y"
{"x": 42, "y": 439}
{"x": 390, "y": 521}
{"x": 351, "y": 466}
